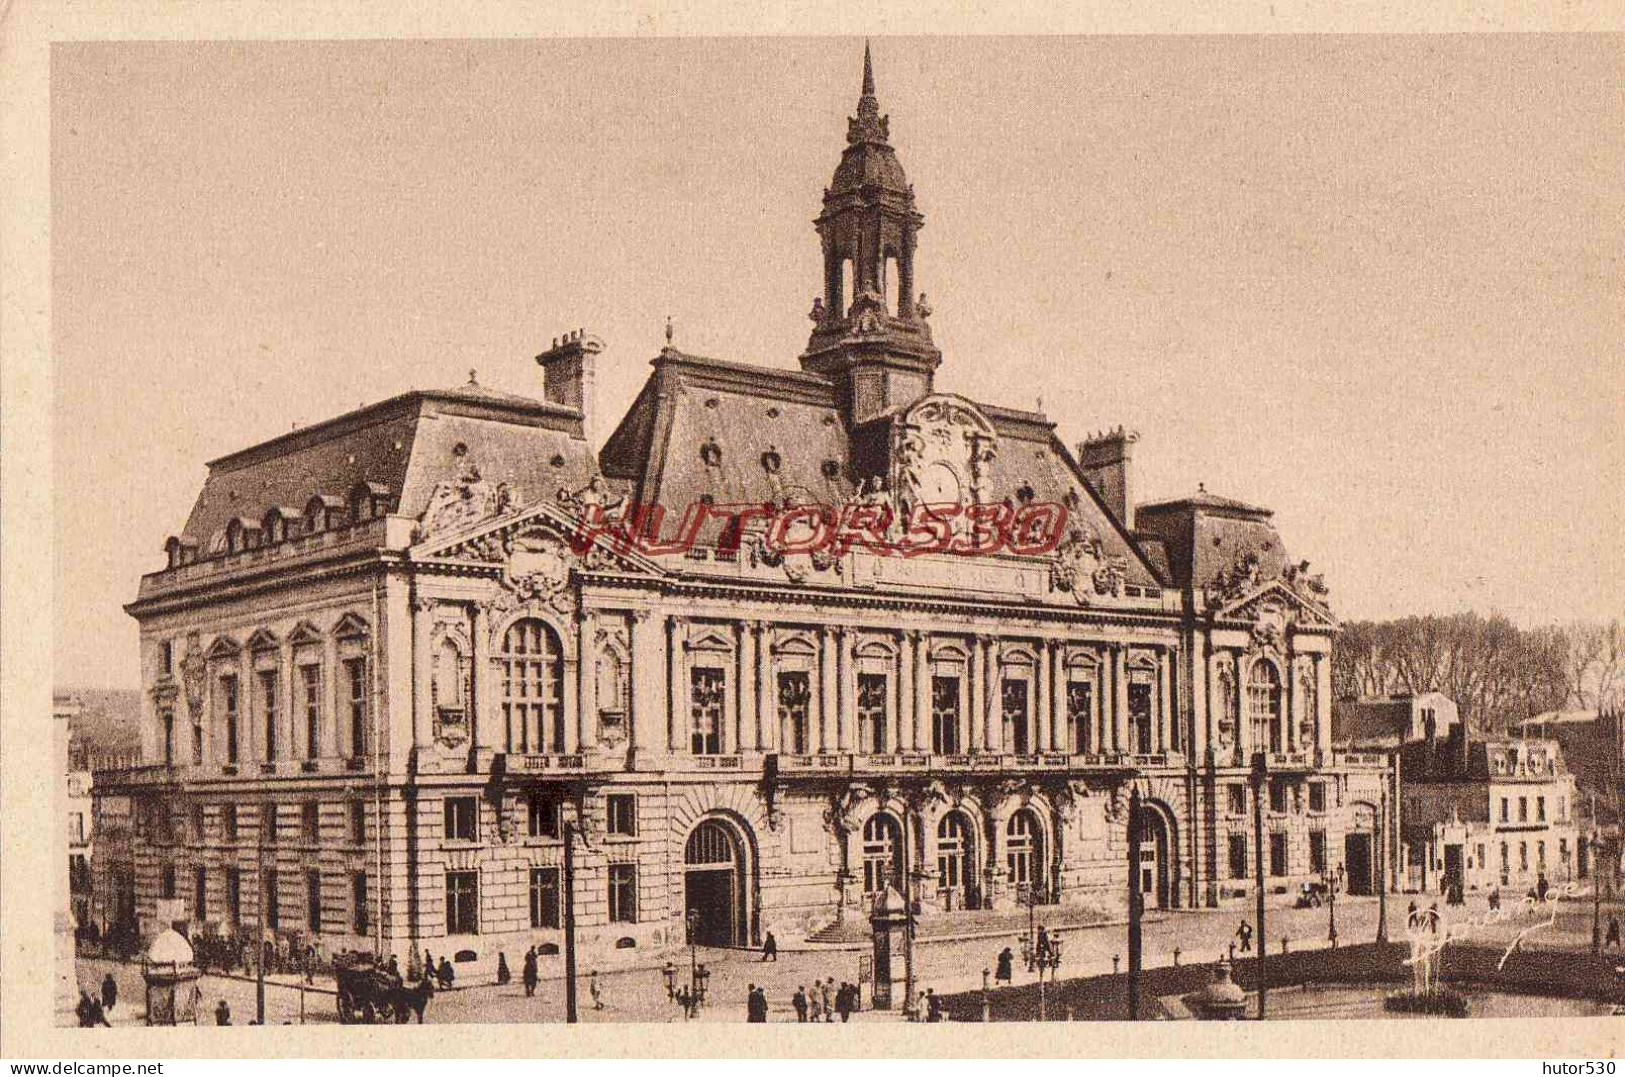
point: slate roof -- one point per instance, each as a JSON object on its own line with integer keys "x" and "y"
{"x": 748, "y": 412}
{"x": 1371, "y": 722}
{"x": 1206, "y": 534}
{"x": 401, "y": 447}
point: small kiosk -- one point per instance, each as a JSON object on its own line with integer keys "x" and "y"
{"x": 172, "y": 980}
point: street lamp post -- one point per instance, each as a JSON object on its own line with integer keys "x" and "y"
{"x": 1382, "y": 868}
{"x": 693, "y": 962}
{"x": 1596, "y": 886}
{"x": 1331, "y": 909}
{"x": 1260, "y": 780}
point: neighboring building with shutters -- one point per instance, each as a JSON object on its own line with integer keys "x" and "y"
{"x": 383, "y": 685}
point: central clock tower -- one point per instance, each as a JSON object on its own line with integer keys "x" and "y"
{"x": 869, "y": 328}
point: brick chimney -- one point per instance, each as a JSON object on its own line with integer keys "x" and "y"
{"x": 1105, "y": 459}
{"x": 567, "y": 374}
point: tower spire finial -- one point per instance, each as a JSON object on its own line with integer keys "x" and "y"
{"x": 868, "y": 72}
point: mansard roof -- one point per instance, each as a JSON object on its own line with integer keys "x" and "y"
{"x": 1207, "y": 536}
{"x": 741, "y": 434}
{"x": 401, "y": 447}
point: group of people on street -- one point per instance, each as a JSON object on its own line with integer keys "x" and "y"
{"x": 824, "y": 1001}
{"x": 93, "y": 1011}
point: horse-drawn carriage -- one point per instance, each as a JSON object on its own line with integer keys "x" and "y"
{"x": 368, "y": 992}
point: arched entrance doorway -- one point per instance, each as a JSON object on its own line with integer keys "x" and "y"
{"x": 715, "y": 886}
{"x": 1155, "y": 870}
{"x": 956, "y": 862}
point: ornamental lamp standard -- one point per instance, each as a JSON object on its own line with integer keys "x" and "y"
{"x": 670, "y": 972}
{"x": 1332, "y": 884}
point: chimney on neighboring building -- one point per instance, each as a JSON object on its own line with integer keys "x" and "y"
{"x": 1105, "y": 460}
{"x": 567, "y": 373}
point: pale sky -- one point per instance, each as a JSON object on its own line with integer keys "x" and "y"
{"x": 1372, "y": 283}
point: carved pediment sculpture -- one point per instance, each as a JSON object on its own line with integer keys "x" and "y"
{"x": 1311, "y": 586}
{"x": 1109, "y": 577}
{"x": 595, "y": 494}
{"x": 943, "y": 448}
{"x": 1075, "y": 559}
{"x": 539, "y": 564}
{"x": 1243, "y": 576}
{"x": 463, "y": 500}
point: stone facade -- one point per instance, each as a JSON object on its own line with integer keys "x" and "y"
{"x": 404, "y": 633}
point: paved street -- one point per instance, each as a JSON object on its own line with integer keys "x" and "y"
{"x": 947, "y": 966}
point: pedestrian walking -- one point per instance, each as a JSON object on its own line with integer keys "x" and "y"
{"x": 755, "y": 1010}
{"x": 1495, "y": 899}
{"x": 1245, "y": 934}
{"x": 1411, "y": 918}
{"x": 594, "y": 990}
{"x": 829, "y": 1010}
{"x": 447, "y": 975}
{"x": 504, "y": 975}
{"x": 109, "y": 992}
{"x": 1542, "y": 887}
{"x": 933, "y": 1005}
{"x": 1613, "y": 933}
{"x": 770, "y": 948}
{"x": 843, "y": 1002}
{"x": 1004, "y": 972}
{"x": 222, "y": 1013}
{"x": 798, "y": 1001}
{"x": 815, "y": 1002}
{"x": 529, "y": 973}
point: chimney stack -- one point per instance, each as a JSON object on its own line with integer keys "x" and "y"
{"x": 567, "y": 375}
{"x": 1106, "y": 459}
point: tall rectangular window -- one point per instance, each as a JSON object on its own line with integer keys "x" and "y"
{"x": 200, "y": 893}
{"x": 1235, "y": 799}
{"x": 622, "y": 810}
{"x": 795, "y": 694}
{"x": 544, "y": 897}
{"x": 167, "y": 717}
{"x": 167, "y": 882}
{"x": 358, "y": 822}
{"x": 1505, "y": 810}
{"x": 310, "y": 821}
{"x": 1523, "y": 809}
{"x": 268, "y": 704}
{"x": 1317, "y": 852}
{"x": 708, "y": 703}
{"x": 197, "y": 742}
{"x": 268, "y": 823}
{"x": 544, "y": 816}
{"x": 1540, "y": 855}
{"x": 355, "y": 679}
{"x": 273, "y": 899}
{"x": 1013, "y": 697}
{"x": 1278, "y": 797}
{"x": 1317, "y": 796}
{"x": 1139, "y": 716}
{"x": 945, "y": 715}
{"x": 873, "y": 695}
{"x": 623, "y": 893}
{"x": 234, "y": 895}
{"x": 166, "y": 657}
{"x": 1523, "y": 856}
{"x": 359, "y": 918}
{"x": 230, "y": 821}
{"x": 313, "y": 901}
{"x": 311, "y": 678}
{"x": 228, "y": 697}
{"x": 1540, "y": 809}
{"x": 197, "y": 822}
{"x": 1080, "y": 713}
{"x": 1238, "y": 856}
{"x": 462, "y": 819}
{"x": 462, "y": 902}
{"x": 1278, "y": 865}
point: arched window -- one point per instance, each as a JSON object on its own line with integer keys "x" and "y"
{"x": 1264, "y": 706}
{"x": 234, "y": 536}
{"x": 1024, "y": 849}
{"x": 954, "y": 867}
{"x": 709, "y": 844}
{"x": 532, "y": 664}
{"x": 882, "y": 853}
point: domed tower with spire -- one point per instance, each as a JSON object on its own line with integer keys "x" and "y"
{"x": 869, "y": 329}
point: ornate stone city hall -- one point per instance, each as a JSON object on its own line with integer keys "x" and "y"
{"x": 383, "y": 689}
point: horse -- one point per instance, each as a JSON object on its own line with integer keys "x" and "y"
{"x": 409, "y": 1000}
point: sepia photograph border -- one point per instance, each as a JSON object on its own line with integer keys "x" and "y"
{"x": 28, "y": 789}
